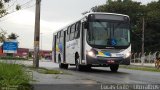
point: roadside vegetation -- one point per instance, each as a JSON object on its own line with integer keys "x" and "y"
{"x": 12, "y": 58}
{"x": 151, "y": 69}
{"x": 13, "y": 76}
{"x": 45, "y": 70}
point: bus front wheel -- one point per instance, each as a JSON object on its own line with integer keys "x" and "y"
{"x": 114, "y": 67}
{"x": 78, "y": 67}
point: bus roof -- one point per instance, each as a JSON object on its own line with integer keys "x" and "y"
{"x": 106, "y": 13}
{"x": 84, "y": 16}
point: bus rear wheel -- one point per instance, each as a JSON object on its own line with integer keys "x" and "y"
{"x": 63, "y": 66}
{"x": 114, "y": 67}
{"x": 60, "y": 65}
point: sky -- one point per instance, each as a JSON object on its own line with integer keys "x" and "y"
{"x": 54, "y": 15}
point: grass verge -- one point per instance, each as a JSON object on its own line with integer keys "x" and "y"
{"x": 12, "y": 58}
{"x": 132, "y": 67}
{"x": 45, "y": 70}
{"x": 13, "y": 75}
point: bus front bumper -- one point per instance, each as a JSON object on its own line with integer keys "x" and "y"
{"x": 107, "y": 60}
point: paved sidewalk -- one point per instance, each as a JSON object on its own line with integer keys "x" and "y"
{"x": 42, "y": 63}
{"x": 145, "y": 64}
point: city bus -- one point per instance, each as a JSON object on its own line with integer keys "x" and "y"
{"x": 95, "y": 40}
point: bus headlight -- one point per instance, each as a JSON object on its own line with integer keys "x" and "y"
{"x": 127, "y": 55}
{"x": 91, "y": 53}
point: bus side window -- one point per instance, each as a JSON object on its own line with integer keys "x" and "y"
{"x": 72, "y": 32}
{"x": 61, "y": 36}
{"x": 77, "y": 32}
{"x": 68, "y": 34}
{"x": 57, "y": 37}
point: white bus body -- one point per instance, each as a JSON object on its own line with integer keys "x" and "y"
{"x": 97, "y": 39}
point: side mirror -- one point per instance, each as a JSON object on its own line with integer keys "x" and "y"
{"x": 86, "y": 25}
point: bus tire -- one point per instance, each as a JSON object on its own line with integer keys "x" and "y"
{"x": 88, "y": 67}
{"x": 65, "y": 66}
{"x": 114, "y": 67}
{"x": 59, "y": 61}
{"x": 61, "y": 65}
{"x": 78, "y": 66}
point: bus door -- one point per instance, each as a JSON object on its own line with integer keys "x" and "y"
{"x": 82, "y": 41}
{"x": 64, "y": 47}
{"x": 54, "y": 48}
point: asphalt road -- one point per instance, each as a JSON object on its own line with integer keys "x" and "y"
{"x": 98, "y": 76}
{"x": 90, "y": 79}
{"x": 123, "y": 76}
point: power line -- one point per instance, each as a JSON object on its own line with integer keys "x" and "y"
{"x": 16, "y": 11}
{"x": 28, "y": 2}
{"x": 29, "y": 6}
{"x": 11, "y": 5}
{"x": 23, "y": 8}
{"x": 24, "y": 4}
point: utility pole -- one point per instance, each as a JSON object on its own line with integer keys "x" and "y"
{"x": 36, "y": 35}
{"x": 41, "y": 40}
{"x": 41, "y": 51}
{"x": 143, "y": 26}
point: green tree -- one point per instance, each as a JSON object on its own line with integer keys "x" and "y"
{"x": 153, "y": 26}
{"x": 2, "y": 36}
{"x": 3, "y": 9}
{"x": 13, "y": 36}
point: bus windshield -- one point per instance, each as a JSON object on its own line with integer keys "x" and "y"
{"x": 108, "y": 33}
